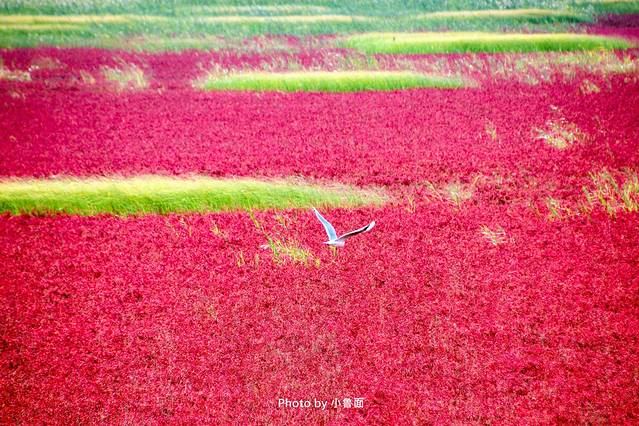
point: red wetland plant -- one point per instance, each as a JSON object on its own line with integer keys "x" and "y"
{"x": 466, "y": 303}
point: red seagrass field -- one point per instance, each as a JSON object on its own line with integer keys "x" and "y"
{"x": 160, "y": 261}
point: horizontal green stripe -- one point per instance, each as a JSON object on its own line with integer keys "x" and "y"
{"x": 449, "y": 42}
{"x": 162, "y": 194}
{"x": 326, "y": 81}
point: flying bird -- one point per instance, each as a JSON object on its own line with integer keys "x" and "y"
{"x": 333, "y": 239}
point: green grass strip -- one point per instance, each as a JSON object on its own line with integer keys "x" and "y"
{"x": 163, "y": 194}
{"x": 460, "y": 42}
{"x": 112, "y": 26}
{"x": 532, "y": 15}
{"x": 35, "y": 28}
{"x": 610, "y": 6}
{"x": 326, "y": 81}
{"x": 252, "y": 9}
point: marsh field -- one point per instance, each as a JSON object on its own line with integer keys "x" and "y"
{"x": 160, "y": 262}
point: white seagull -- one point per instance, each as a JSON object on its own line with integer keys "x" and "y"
{"x": 333, "y": 239}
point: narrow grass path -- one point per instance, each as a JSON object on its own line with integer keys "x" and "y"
{"x": 163, "y": 194}
{"x": 462, "y": 42}
{"x": 326, "y": 81}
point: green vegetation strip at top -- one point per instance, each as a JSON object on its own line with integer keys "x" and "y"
{"x": 452, "y": 42}
{"x": 508, "y": 15}
{"x": 326, "y": 81}
{"x": 114, "y": 24}
{"x": 163, "y": 194}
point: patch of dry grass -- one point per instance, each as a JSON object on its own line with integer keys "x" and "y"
{"x": 215, "y": 230}
{"x": 87, "y": 78}
{"x": 613, "y": 193}
{"x": 290, "y": 250}
{"x": 16, "y": 94}
{"x": 456, "y": 193}
{"x": 545, "y": 67}
{"x": 283, "y": 249}
{"x": 588, "y": 87}
{"x": 491, "y": 130}
{"x": 13, "y": 75}
{"x": 557, "y": 210}
{"x": 126, "y": 77}
{"x": 560, "y": 134}
{"x": 494, "y": 237}
{"x": 239, "y": 258}
{"x": 529, "y": 68}
{"x": 45, "y": 63}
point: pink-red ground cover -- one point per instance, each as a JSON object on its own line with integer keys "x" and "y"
{"x": 152, "y": 320}
{"x": 186, "y": 319}
{"x": 366, "y": 138}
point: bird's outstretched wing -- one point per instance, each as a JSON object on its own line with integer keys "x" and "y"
{"x": 330, "y": 231}
{"x": 357, "y": 231}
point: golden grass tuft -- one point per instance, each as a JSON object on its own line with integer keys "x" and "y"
{"x": 588, "y": 87}
{"x": 494, "y": 237}
{"x": 491, "y": 130}
{"x": 530, "y": 68}
{"x": 614, "y": 194}
{"x": 215, "y": 230}
{"x": 289, "y": 250}
{"x": 45, "y": 63}
{"x": 87, "y": 78}
{"x": 557, "y": 210}
{"x": 560, "y": 134}
{"x": 126, "y": 77}
{"x": 16, "y": 94}
{"x": 457, "y": 193}
{"x": 13, "y": 75}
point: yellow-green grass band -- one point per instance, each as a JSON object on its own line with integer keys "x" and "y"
{"x": 164, "y": 194}
{"x": 461, "y": 42}
{"x": 327, "y": 81}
